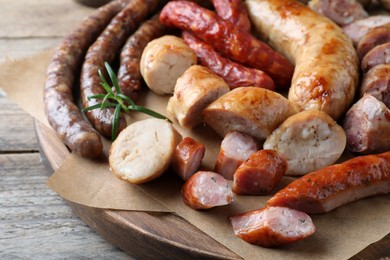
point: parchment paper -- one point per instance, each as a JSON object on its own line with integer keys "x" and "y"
{"x": 340, "y": 234}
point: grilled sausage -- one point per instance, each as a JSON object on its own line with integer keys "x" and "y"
{"x": 376, "y": 82}
{"x": 272, "y": 226}
{"x": 259, "y": 174}
{"x": 378, "y": 55}
{"x": 341, "y": 12}
{"x": 233, "y": 11}
{"x": 205, "y": 190}
{"x": 104, "y": 50}
{"x": 310, "y": 140}
{"x": 374, "y": 37}
{"x": 235, "y": 74}
{"x": 61, "y": 111}
{"x": 367, "y": 125}
{"x": 187, "y": 157}
{"x": 129, "y": 75}
{"x": 336, "y": 185}
{"x": 195, "y": 90}
{"x": 359, "y": 28}
{"x": 228, "y": 39}
{"x": 326, "y": 63}
{"x": 250, "y": 110}
{"x": 235, "y": 148}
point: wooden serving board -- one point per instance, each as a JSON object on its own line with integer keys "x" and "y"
{"x": 155, "y": 235}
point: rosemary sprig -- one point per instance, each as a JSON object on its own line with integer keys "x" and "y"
{"x": 117, "y": 100}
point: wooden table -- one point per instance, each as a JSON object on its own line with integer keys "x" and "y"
{"x": 34, "y": 221}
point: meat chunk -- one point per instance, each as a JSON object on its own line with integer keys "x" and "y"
{"x": 187, "y": 157}
{"x": 163, "y": 61}
{"x": 378, "y": 55}
{"x": 272, "y": 226}
{"x": 375, "y": 36}
{"x": 194, "y": 91}
{"x": 235, "y": 148}
{"x": 259, "y": 174}
{"x": 310, "y": 140}
{"x": 376, "y": 82}
{"x": 367, "y": 125}
{"x": 205, "y": 190}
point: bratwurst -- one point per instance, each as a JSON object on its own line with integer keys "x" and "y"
{"x": 326, "y": 63}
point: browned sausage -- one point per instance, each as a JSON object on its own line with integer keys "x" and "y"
{"x": 374, "y": 37}
{"x": 233, "y": 11}
{"x": 378, "y": 55}
{"x": 61, "y": 111}
{"x": 259, "y": 174}
{"x": 235, "y": 74}
{"x": 367, "y": 126}
{"x": 129, "y": 75}
{"x": 326, "y": 189}
{"x": 232, "y": 42}
{"x": 272, "y": 226}
{"x": 376, "y": 82}
{"x": 104, "y": 50}
{"x": 205, "y": 190}
{"x": 187, "y": 157}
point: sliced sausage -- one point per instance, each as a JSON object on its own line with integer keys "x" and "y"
{"x": 129, "y": 75}
{"x": 187, "y": 157}
{"x": 205, "y": 190}
{"x": 233, "y": 11}
{"x": 341, "y": 12}
{"x": 61, "y": 111}
{"x": 250, "y": 110}
{"x": 326, "y": 63}
{"x": 376, "y": 36}
{"x": 235, "y": 74}
{"x": 235, "y": 148}
{"x": 378, "y": 55}
{"x": 143, "y": 151}
{"x": 272, "y": 226}
{"x": 163, "y": 61}
{"x": 310, "y": 140}
{"x": 367, "y": 125}
{"x": 359, "y": 28}
{"x": 259, "y": 174}
{"x": 194, "y": 91}
{"x": 336, "y": 185}
{"x": 376, "y": 82}
{"x": 228, "y": 39}
{"x": 104, "y": 50}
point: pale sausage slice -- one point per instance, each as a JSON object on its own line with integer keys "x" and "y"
{"x": 143, "y": 150}
{"x": 376, "y": 82}
{"x": 250, "y": 110}
{"x": 310, "y": 140}
{"x": 205, "y": 190}
{"x": 194, "y": 91}
{"x": 272, "y": 226}
{"x": 235, "y": 148}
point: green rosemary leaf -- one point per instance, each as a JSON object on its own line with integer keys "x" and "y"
{"x": 97, "y": 96}
{"x": 115, "y": 122}
{"x": 126, "y": 98}
{"x": 150, "y": 112}
{"x": 105, "y": 100}
{"x": 92, "y": 107}
{"x": 113, "y": 77}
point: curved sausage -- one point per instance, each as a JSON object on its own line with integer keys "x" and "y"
{"x": 342, "y": 12}
{"x": 235, "y": 148}
{"x": 259, "y": 174}
{"x": 374, "y": 37}
{"x": 367, "y": 126}
{"x": 129, "y": 75}
{"x": 104, "y": 50}
{"x": 376, "y": 82}
{"x": 326, "y": 63}
{"x": 228, "y": 39}
{"x": 272, "y": 226}
{"x": 205, "y": 190}
{"x": 233, "y": 11}
{"x": 187, "y": 157}
{"x": 235, "y": 74}
{"x": 378, "y": 55}
{"x": 336, "y": 185}
{"x": 61, "y": 111}
{"x": 359, "y": 28}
